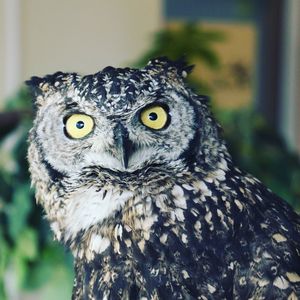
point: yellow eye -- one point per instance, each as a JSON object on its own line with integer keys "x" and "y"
{"x": 154, "y": 117}
{"x": 79, "y": 126}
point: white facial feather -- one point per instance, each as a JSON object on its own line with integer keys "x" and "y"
{"x": 103, "y": 159}
{"x": 87, "y": 207}
{"x": 106, "y": 160}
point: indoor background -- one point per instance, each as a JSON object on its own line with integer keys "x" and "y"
{"x": 247, "y": 59}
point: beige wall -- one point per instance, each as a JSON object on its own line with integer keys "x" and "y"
{"x": 290, "y": 76}
{"x": 1, "y": 51}
{"x": 83, "y": 36}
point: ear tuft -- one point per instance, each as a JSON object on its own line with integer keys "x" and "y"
{"x": 37, "y": 89}
{"x": 181, "y": 66}
{"x": 35, "y": 85}
{"x": 41, "y": 87}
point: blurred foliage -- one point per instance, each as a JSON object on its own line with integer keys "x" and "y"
{"x": 258, "y": 149}
{"x": 26, "y": 245}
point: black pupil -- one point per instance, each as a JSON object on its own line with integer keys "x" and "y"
{"x": 80, "y": 124}
{"x": 153, "y": 116}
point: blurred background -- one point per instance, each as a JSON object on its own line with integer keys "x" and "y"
{"x": 247, "y": 59}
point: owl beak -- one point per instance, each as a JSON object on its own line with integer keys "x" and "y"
{"x": 123, "y": 144}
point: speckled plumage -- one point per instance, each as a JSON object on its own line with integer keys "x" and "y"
{"x": 180, "y": 221}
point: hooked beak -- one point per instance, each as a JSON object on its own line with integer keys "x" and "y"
{"x": 123, "y": 144}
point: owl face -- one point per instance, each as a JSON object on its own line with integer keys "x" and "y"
{"x": 119, "y": 119}
{"x": 96, "y": 140}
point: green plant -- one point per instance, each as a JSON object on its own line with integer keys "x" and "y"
{"x": 258, "y": 149}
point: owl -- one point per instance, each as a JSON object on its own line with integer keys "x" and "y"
{"x": 135, "y": 179}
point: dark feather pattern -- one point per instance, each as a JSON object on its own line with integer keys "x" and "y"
{"x": 247, "y": 245}
{"x": 181, "y": 223}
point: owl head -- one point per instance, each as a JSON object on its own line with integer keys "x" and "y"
{"x": 124, "y": 120}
